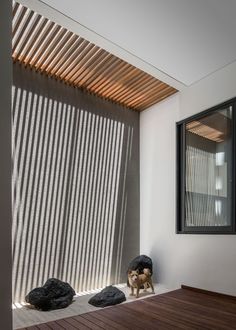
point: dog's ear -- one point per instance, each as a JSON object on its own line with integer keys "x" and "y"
{"x": 129, "y": 271}
{"x": 137, "y": 270}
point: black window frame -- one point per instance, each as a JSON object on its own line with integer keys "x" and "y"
{"x": 181, "y": 228}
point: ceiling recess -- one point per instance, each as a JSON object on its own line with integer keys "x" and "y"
{"x": 48, "y": 47}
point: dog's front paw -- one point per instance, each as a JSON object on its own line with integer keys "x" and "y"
{"x": 131, "y": 294}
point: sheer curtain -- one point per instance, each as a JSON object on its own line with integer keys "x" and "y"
{"x": 75, "y": 180}
{"x": 205, "y": 188}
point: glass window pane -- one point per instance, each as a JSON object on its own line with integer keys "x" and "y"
{"x": 208, "y": 170}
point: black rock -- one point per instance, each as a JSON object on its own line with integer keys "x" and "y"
{"x": 139, "y": 263}
{"x": 54, "y": 294}
{"x": 110, "y": 295}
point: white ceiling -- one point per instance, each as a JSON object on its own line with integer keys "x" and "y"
{"x": 185, "y": 39}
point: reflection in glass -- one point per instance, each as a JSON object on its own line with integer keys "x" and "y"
{"x": 208, "y": 168}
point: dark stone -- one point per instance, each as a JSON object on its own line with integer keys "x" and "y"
{"x": 54, "y": 294}
{"x": 107, "y": 297}
{"x": 139, "y": 263}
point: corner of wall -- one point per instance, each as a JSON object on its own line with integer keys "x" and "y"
{"x": 5, "y": 166}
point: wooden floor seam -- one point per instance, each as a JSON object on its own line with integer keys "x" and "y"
{"x": 179, "y": 309}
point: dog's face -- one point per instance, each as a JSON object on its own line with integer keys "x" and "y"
{"x": 133, "y": 276}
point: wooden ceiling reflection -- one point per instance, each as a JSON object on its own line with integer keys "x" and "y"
{"x": 205, "y": 131}
{"x": 215, "y": 127}
{"x": 47, "y": 47}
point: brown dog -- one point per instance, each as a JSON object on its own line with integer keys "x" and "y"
{"x": 136, "y": 280}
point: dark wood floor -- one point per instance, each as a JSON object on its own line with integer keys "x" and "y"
{"x": 179, "y": 309}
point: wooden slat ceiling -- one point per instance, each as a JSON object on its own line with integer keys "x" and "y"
{"x": 47, "y": 47}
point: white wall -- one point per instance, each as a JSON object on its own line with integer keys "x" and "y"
{"x": 204, "y": 261}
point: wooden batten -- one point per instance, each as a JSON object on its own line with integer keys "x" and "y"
{"x": 47, "y": 47}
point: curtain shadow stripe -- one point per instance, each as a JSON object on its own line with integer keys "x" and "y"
{"x": 74, "y": 166}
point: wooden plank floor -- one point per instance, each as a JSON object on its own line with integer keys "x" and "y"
{"x": 179, "y": 309}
